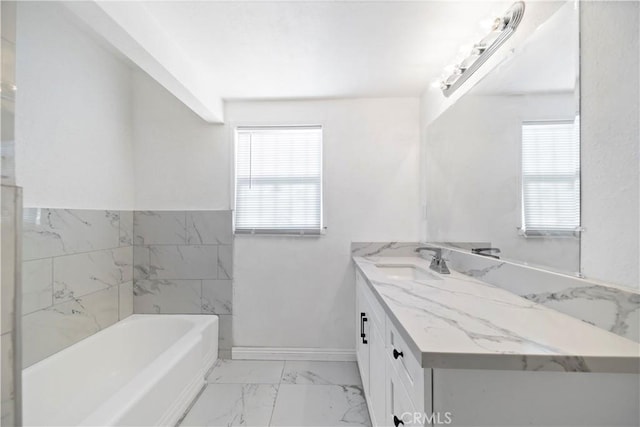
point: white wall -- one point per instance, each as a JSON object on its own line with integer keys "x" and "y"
{"x": 610, "y": 141}
{"x": 299, "y": 292}
{"x": 73, "y": 120}
{"x": 288, "y": 291}
{"x": 181, "y": 161}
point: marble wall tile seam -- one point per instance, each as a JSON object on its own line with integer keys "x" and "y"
{"x": 65, "y": 277}
{"x": 51, "y": 330}
{"x": 159, "y": 295}
{"x": 159, "y": 259}
{"x": 116, "y": 245}
{"x": 215, "y": 304}
{"x": 27, "y": 292}
{"x": 125, "y": 235}
{"x": 106, "y": 270}
{"x": 77, "y": 299}
{"x": 154, "y": 224}
{"x": 183, "y": 227}
{"x": 89, "y": 253}
{"x": 76, "y": 253}
{"x": 64, "y": 231}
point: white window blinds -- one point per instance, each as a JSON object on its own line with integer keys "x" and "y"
{"x": 551, "y": 178}
{"x": 279, "y": 180}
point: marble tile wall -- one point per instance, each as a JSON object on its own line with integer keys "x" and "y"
{"x": 365, "y": 249}
{"x": 183, "y": 265}
{"x": 77, "y": 276}
{"x": 10, "y": 204}
{"x": 613, "y": 308}
{"x": 10, "y": 366}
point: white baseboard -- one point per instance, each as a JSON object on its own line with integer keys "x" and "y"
{"x": 293, "y": 353}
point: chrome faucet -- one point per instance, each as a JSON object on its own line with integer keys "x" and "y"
{"x": 490, "y": 252}
{"x": 438, "y": 263}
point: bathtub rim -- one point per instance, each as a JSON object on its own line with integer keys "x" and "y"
{"x": 114, "y": 406}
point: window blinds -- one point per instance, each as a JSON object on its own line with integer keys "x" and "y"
{"x": 551, "y": 177}
{"x": 279, "y": 180}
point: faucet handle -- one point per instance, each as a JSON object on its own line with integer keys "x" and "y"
{"x": 437, "y": 252}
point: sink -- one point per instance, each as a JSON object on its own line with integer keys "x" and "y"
{"x": 406, "y": 272}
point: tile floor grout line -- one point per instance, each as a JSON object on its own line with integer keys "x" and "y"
{"x": 277, "y": 394}
{"x": 284, "y": 365}
{"x": 275, "y": 401}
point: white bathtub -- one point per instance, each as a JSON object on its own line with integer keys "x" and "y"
{"x": 142, "y": 371}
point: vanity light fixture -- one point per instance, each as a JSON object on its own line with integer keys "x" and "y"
{"x": 501, "y": 30}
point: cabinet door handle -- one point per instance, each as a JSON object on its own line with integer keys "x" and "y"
{"x": 397, "y": 421}
{"x": 397, "y": 354}
{"x": 362, "y": 334}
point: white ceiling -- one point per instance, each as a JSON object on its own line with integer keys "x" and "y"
{"x": 329, "y": 49}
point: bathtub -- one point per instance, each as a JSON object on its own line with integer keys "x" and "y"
{"x": 142, "y": 371}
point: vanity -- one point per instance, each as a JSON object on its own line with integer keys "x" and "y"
{"x": 447, "y": 349}
{"x": 528, "y": 195}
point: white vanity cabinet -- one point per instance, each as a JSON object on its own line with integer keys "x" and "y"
{"x": 362, "y": 332}
{"x": 370, "y": 349}
{"x": 393, "y": 380}
{"x": 443, "y": 354}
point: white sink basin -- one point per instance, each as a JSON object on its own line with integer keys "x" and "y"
{"x": 406, "y": 272}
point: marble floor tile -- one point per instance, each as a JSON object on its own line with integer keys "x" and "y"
{"x": 247, "y": 371}
{"x": 320, "y": 405}
{"x": 233, "y": 405}
{"x": 325, "y": 373}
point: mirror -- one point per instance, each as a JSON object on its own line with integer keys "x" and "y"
{"x": 502, "y": 164}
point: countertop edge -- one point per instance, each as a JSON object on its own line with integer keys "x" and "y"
{"x": 505, "y": 361}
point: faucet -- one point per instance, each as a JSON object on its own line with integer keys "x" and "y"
{"x": 486, "y": 252}
{"x": 438, "y": 264}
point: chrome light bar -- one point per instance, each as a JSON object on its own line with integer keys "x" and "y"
{"x": 501, "y": 30}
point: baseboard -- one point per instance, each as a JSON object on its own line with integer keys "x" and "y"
{"x": 293, "y": 353}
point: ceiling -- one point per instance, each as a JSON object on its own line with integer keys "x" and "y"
{"x": 322, "y": 49}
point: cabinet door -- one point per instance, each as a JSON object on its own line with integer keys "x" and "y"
{"x": 362, "y": 335}
{"x": 399, "y": 407}
{"x": 377, "y": 376}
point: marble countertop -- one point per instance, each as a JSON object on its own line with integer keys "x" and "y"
{"x": 459, "y": 322}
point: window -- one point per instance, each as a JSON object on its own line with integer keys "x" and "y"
{"x": 279, "y": 180}
{"x": 551, "y": 178}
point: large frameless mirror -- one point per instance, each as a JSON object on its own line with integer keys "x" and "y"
{"x": 503, "y": 163}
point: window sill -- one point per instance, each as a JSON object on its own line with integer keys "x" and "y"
{"x": 280, "y": 233}
{"x": 550, "y": 234}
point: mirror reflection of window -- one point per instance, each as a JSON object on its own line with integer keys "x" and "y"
{"x": 551, "y": 178}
